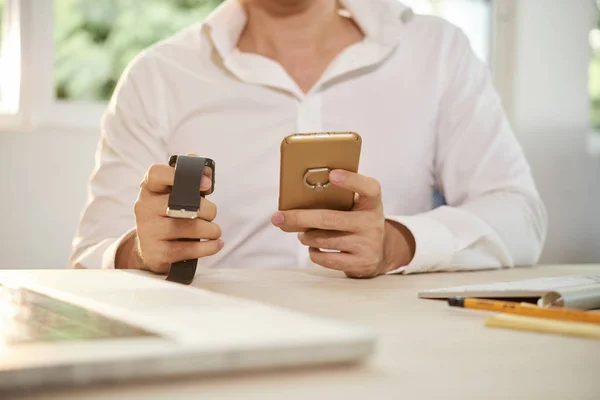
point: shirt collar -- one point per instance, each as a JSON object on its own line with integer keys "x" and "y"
{"x": 225, "y": 25}
{"x": 380, "y": 20}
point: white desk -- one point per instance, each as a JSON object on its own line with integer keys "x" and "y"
{"x": 425, "y": 349}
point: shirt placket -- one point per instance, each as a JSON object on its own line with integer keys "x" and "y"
{"x": 309, "y": 119}
{"x": 261, "y": 71}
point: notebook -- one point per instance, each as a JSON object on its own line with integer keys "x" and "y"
{"x": 574, "y": 291}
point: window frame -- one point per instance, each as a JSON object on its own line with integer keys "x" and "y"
{"x": 41, "y": 110}
{"x": 504, "y": 50}
{"x": 12, "y": 47}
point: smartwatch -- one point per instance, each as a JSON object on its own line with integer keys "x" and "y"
{"x": 184, "y": 202}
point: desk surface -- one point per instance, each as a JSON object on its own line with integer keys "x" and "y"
{"x": 425, "y": 349}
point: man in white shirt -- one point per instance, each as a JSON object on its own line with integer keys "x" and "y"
{"x": 257, "y": 70}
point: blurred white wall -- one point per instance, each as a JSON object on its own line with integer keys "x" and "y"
{"x": 43, "y": 188}
{"x": 551, "y": 114}
{"x": 43, "y": 175}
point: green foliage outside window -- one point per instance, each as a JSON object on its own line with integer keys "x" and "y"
{"x": 96, "y": 39}
{"x": 1, "y": 18}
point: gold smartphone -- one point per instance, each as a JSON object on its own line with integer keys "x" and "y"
{"x": 306, "y": 160}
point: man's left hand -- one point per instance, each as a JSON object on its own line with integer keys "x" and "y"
{"x": 365, "y": 244}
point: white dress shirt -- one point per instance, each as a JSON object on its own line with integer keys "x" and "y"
{"x": 423, "y": 103}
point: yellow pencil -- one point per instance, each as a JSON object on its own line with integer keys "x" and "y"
{"x": 542, "y": 325}
{"x": 564, "y": 314}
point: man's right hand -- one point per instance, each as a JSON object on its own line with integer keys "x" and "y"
{"x": 155, "y": 245}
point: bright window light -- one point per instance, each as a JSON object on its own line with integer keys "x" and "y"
{"x": 474, "y": 17}
{"x": 2, "y": 24}
{"x": 10, "y": 58}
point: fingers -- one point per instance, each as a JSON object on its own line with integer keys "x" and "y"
{"x": 162, "y": 240}
{"x": 160, "y": 178}
{"x": 161, "y": 256}
{"x": 363, "y": 185}
{"x": 368, "y": 189}
{"x": 336, "y": 261}
{"x": 190, "y": 229}
{"x": 178, "y": 251}
{"x": 329, "y": 240}
{"x": 208, "y": 210}
{"x": 153, "y": 230}
{"x": 157, "y": 205}
{"x": 206, "y": 183}
{"x": 330, "y": 220}
{"x": 351, "y": 265}
{"x": 208, "y": 173}
{"x": 369, "y": 200}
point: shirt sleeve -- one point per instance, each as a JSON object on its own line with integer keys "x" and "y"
{"x": 132, "y": 139}
{"x": 494, "y": 216}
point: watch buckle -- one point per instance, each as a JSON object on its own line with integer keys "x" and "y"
{"x": 181, "y": 213}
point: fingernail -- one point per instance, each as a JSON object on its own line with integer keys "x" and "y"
{"x": 336, "y": 176}
{"x": 277, "y": 219}
{"x": 205, "y": 184}
{"x": 221, "y": 244}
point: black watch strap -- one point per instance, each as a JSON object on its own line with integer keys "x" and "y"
{"x": 183, "y": 271}
{"x": 184, "y": 202}
{"x": 185, "y": 197}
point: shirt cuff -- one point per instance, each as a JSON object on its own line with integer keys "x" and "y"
{"x": 434, "y": 244}
{"x": 102, "y": 255}
{"x": 109, "y": 255}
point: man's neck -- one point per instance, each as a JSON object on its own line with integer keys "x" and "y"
{"x": 278, "y": 27}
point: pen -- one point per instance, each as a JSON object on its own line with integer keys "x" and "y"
{"x": 565, "y": 314}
